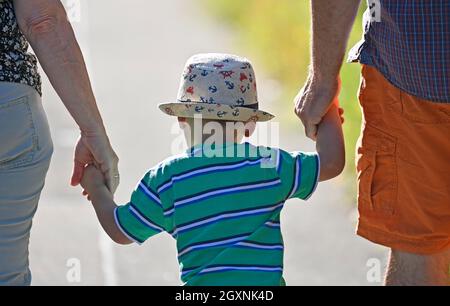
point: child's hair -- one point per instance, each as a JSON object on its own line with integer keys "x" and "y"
{"x": 222, "y": 129}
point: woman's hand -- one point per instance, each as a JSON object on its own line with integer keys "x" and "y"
{"x": 96, "y": 149}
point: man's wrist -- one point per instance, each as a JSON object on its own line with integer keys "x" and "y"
{"x": 324, "y": 76}
{"x": 326, "y": 84}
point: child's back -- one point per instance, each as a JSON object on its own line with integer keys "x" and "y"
{"x": 221, "y": 203}
{"x": 224, "y": 212}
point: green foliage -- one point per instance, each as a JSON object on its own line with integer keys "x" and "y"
{"x": 276, "y": 32}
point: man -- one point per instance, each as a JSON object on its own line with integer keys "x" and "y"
{"x": 403, "y": 154}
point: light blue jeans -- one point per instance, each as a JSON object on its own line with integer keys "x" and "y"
{"x": 25, "y": 152}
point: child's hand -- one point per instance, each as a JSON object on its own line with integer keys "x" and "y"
{"x": 330, "y": 144}
{"x": 341, "y": 114}
{"x": 340, "y": 110}
{"x": 92, "y": 180}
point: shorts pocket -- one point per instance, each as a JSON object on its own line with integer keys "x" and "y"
{"x": 416, "y": 110}
{"x": 377, "y": 173}
{"x": 18, "y": 140}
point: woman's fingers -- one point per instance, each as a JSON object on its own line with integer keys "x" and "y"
{"x": 111, "y": 173}
{"x": 112, "y": 179}
{"x": 96, "y": 150}
{"x": 77, "y": 175}
{"x": 82, "y": 158}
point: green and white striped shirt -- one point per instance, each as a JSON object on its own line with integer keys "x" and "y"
{"x": 224, "y": 212}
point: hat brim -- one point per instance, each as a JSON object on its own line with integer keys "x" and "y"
{"x": 214, "y": 111}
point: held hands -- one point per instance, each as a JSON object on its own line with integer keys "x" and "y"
{"x": 95, "y": 149}
{"x": 95, "y": 188}
{"x": 92, "y": 181}
{"x": 313, "y": 102}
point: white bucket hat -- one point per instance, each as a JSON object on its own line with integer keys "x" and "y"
{"x": 217, "y": 87}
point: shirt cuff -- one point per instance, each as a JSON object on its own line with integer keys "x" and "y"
{"x": 122, "y": 228}
{"x": 317, "y": 178}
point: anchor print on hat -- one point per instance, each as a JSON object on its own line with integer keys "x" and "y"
{"x": 217, "y": 86}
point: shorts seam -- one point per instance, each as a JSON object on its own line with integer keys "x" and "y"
{"x": 412, "y": 240}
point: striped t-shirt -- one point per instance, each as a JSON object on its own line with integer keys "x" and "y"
{"x": 222, "y": 206}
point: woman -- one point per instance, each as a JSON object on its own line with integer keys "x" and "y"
{"x": 25, "y": 142}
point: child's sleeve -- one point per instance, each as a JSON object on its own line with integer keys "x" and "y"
{"x": 299, "y": 173}
{"x": 143, "y": 217}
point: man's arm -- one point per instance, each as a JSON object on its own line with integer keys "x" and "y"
{"x": 330, "y": 144}
{"x": 332, "y": 22}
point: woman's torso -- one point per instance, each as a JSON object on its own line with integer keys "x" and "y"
{"x": 17, "y": 65}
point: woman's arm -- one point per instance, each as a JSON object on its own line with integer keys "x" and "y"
{"x": 45, "y": 25}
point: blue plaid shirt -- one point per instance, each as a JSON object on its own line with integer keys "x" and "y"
{"x": 408, "y": 41}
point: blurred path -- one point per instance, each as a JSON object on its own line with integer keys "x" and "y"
{"x": 135, "y": 53}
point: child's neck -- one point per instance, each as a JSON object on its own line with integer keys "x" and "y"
{"x": 217, "y": 141}
{"x": 195, "y": 135}
{"x": 201, "y": 142}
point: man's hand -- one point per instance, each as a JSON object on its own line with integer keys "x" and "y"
{"x": 313, "y": 102}
{"x": 331, "y": 23}
{"x": 96, "y": 149}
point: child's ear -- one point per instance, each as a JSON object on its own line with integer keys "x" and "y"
{"x": 182, "y": 122}
{"x": 250, "y": 128}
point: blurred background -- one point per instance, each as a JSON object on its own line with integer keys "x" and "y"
{"x": 276, "y": 34}
{"x": 135, "y": 52}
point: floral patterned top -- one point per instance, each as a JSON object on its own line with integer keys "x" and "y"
{"x": 17, "y": 65}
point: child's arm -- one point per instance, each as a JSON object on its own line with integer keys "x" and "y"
{"x": 330, "y": 145}
{"x": 103, "y": 202}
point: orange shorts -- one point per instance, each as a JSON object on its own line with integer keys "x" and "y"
{"x": 403, "y": 163}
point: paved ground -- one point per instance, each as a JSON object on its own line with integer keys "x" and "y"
{"x": 135, "y": 53}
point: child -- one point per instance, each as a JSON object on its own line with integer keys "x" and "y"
{"x": 221, "y": 202}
